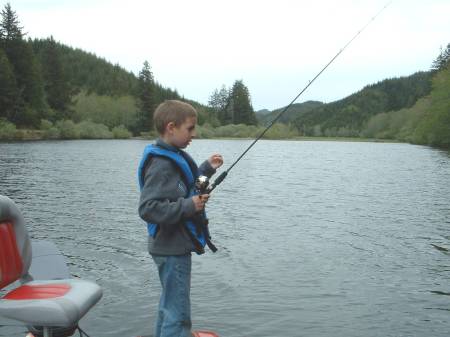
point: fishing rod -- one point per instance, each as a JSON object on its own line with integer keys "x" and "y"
{"x": 203, "y": 182}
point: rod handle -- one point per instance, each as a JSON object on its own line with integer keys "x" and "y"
{"x": 218, "y": 180}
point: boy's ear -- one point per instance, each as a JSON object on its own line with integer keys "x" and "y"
{"x": 170, "y": 126}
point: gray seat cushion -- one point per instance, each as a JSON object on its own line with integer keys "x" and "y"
{"x": 47, "y": 310}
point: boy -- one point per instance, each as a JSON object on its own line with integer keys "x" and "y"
{"x": 169, "y": 203}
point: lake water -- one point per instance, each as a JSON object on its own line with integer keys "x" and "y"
{"x": 315, "y": 238}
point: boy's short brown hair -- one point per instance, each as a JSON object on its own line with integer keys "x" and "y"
{"x": 172, "y": 111}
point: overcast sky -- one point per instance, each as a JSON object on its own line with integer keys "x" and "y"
{"x": 274, "y": 46}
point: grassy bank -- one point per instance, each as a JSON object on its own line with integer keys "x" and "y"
{"x": 66, "y": 129}
{"x": 90, "y": 130}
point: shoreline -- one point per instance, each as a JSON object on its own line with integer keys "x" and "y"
{"x": 38, "y": 135}
{"x": 25, "y": 135}
{"x": 34, "y": 138}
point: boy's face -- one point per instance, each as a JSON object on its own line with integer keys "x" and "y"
{"x": 181, "y": 136}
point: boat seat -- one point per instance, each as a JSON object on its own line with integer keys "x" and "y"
{"x": 44, "y": 303}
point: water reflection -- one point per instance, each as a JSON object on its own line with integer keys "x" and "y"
{"x": 439, "y": 248}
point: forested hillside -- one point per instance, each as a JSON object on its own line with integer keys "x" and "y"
{"x": 426, "y": 122}
{"x": 50, "y": 90}
{"x": 52, "y": 87}
{"x": 82, "y": 70}
{"x": 347, "y": 117}
{"x": 64, "y": 92}
{"x": 413, "y": 109}
{"x": 291, "y": 114}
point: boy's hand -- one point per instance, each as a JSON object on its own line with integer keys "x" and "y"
{"x": 200, "y": 201}
{"x": 216, "y": 161}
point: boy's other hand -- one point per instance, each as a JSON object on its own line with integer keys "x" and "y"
{"x": 216, "y": 160}
{"x": 200, "y": 201}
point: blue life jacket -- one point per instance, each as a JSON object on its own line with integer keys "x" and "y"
{"x": 199, "y": 236}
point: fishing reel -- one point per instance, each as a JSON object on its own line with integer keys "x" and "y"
{"x": 202, "y": 185}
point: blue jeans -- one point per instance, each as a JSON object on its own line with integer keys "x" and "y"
{"x": 174, "y": 312}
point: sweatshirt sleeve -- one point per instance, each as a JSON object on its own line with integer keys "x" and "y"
{"x": 162, "y": 199}
{"x": 206, "y": 169}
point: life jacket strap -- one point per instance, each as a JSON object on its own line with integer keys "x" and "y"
{"x": 201, "y": 224}
{"x": 211, "y": 245}
{"x": 198, "y": 248}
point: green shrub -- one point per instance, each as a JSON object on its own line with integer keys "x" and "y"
{"x": 46, "y": 125}
{"x": 107, "y": 110}
{"x": 91, "y": 130}
{"x": 205, "y": 131}
{"x": 236, "y": 131}
{"x": 120, "y": 132}
{"x": 52, "y": 133}
{"x": 28, "y": 134}
{"x": 7, "y": 130}
{"x": 68, "y": 129}
{"x": 49, "y": 130}
{"x": 280, "y": 131}
{"x": 277, "y": 131}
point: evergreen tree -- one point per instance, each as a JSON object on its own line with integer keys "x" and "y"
{"x": 10, "y": 30}
{"x": 8, "y": 88}
{"x": 26, "y": 69}
{"x": 56, "y": 84}
{"x": 146, "y": 95}
{"x": 218, "y": 102}
{"x": 442, "y": 60}
{"x": 228, "y": 113}
{"x": 161, "y": 93}
{"x": 242, "y": 109}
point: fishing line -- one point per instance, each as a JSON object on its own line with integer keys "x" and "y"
{"x": 222, "y": 176}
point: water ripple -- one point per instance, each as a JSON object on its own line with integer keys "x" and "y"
{"x": 315, "y": 238}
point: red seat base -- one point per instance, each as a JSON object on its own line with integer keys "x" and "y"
{"x": 10, "y": 259}
{"x": 38, "y": 292}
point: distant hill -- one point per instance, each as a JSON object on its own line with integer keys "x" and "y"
{"x": 292, "y": 113}
{"x": 351, "y": 113}
{"x": 262, "y": 112}
{"x": 89, "y": 72}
